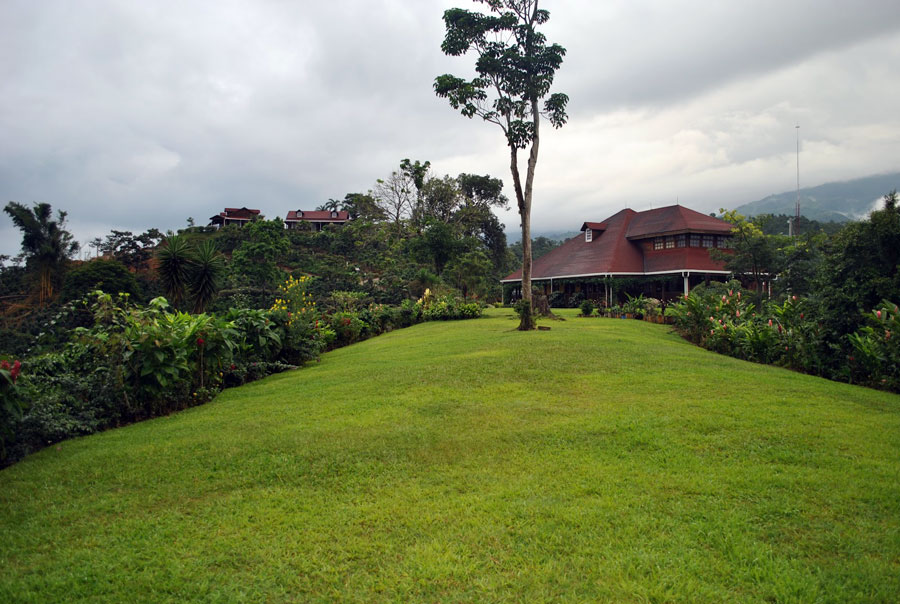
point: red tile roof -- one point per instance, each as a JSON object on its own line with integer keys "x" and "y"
{"x": 317, "y": 216}
{"x": 616, "y": 247}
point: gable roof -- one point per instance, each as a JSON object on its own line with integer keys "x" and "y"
{"x": 615, "y": 249}
{"x": 317, "y": 216}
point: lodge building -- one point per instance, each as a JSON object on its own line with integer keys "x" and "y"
{"x": 661, "y": 253}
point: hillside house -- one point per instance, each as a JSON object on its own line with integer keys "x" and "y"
{"x": 238, "y": 216}
{"x": 316, "y": 218}
{"x": 660, "y": 253}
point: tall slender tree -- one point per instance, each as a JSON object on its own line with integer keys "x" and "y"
{"x": 515, "y": 69}
{"x": 46, "y": 244}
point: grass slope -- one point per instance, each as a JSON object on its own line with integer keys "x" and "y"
{"x": 604, "y": 460}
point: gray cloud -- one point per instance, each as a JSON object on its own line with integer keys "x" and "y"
{"x": 132, "y": 115}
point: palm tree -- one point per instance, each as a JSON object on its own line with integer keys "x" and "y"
{"x": 174, "y": 260}
{"x": 46, "y": 243}
{"x": 332, "y": 205}
{"x": 205, "y": 274}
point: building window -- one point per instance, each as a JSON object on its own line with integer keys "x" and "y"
{"x": 708, "y": 241}
{"x": 588, "y": 235}
{"x": 722, "y": 242}
{"x": 695, "y": 240}
{"x": 670, "y": 243}
{"x": 680, "y": 240}
{"x": 658, "y": 243}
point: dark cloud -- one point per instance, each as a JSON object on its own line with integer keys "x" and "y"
{"x": 139, "y": 114}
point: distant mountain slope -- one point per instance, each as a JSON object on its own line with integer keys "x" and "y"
{"x": 515, "y": 235}
{"x": 840, "y": 201}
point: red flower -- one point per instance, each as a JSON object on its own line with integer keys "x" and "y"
{"x": 14, "y": 372}
{"x": 200, "y": 342}
{"x": 233, "y": 367}
{"x": 4, "y": 365}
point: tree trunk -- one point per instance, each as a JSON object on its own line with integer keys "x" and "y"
{"x": 527, "y": 318}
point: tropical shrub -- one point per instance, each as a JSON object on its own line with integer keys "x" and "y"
{"x": 587, "y": 308}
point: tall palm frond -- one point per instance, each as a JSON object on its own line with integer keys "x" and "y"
{"x": 205, "y": 274}
{"x": 174, "y": 260}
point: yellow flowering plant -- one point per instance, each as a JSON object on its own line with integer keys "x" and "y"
{"x": 295, "y": 300}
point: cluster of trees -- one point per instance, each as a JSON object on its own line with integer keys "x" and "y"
{"x": 830, "y": 294}
{"x": 414, "y": 231}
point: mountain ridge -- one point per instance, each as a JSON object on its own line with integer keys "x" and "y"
{"x": 834, "y": 201}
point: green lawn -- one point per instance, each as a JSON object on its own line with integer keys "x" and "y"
{"x": 604, "y": 460}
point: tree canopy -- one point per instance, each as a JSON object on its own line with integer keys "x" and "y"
{"x": 515, "y": 68}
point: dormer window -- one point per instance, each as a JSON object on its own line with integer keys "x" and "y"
{"x": 333, "y": 214}
{"x": 588, "y": 235}
{"x": 299, "y": 213}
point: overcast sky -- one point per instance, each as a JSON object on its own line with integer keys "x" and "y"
{"x": 132, "y": 115}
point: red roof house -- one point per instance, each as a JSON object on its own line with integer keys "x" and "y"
{"x": 318, "y": 218}
{"x": 238, "y": 216}
{"x": 672, "y": 240}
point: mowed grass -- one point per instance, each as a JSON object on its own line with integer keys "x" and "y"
{"x": 602, "y": 461}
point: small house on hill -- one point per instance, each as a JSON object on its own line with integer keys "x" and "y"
{"x": 660, "y": 253}
{"x": 317, "y": 218}
{"x": 238, "y": 216}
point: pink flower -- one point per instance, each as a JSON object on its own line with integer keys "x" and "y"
{"x": 730, "y": 292}
{"x": 794, "y": 298}
{"x": 878, "y": 313}
{"x": 723, "y": 298}
{"x": 785, "y": 348}
{"x": 770, "y": 322}
{"x": 4, "y": 365}
{"x": 14, "y": 372}
{"x": 779, "y": 328}
{"x": 737, "y": 313}
{"x": 887, "y": 335}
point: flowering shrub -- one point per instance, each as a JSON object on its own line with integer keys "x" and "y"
{"x": 719, "y": 318}
{"x": 294, "y": 299}
{"x": 447, "y": 307}
{"x": 876, "y": 353}
{"x": 136, "y": 362}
